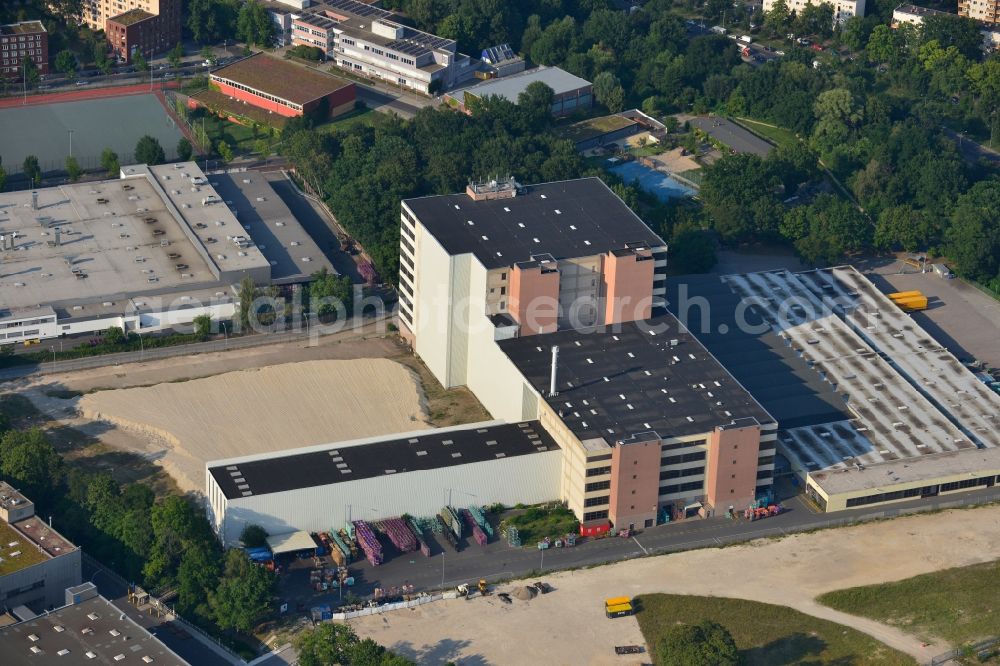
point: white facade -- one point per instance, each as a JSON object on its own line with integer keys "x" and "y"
{"x": 531, "y": 479}
{"x": 842, "y": 9}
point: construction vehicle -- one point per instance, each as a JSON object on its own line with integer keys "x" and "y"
{"x": 544, "y": 588}
{"x": 618, "y": 607}
{"x": 504, "y": 597}
{"x": 463, "y": 590}
{"x": 483, "y": 589}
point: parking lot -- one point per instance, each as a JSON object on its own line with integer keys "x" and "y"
{"x": 732, "y": 135}
{"x": 959, "y": 316}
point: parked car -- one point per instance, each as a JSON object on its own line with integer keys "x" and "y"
{"x": 802, "y": 41}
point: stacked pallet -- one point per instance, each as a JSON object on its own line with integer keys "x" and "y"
{"x": 368, "y": 542}
{"x": 399, "y": 534}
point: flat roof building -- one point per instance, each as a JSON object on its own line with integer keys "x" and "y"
{"x": 156, "y": 247}
{"x": 570, "y": 91}
{"x": 140, "y": 31}
{"x": 36, "y": 563}
{"x": 284, "y": 88}
{"x": 88, "y": 629}
{"x": 369, "y": 41}
{"x": 307, "y": 489}
{"x": 842, "y": 9}
{"x": 877, "y": 409}
{"x": 18, "y": 41}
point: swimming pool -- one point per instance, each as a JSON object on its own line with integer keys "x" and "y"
{"x": 657, "y": 183}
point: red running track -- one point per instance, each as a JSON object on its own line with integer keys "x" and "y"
{"x": 88, "y": 93}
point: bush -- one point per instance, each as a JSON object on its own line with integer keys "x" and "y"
{"x": 114, "y": 335}
{"x": 253, "y": 536}
{"x": 202, "y": 326}
{"x": 707, "y": 643}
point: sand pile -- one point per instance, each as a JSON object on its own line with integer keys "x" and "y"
{"x": 267, "y": 409}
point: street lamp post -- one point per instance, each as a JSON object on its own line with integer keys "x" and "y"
{"x": 141, "y": 345}
{"x": 225, "y": 334}
{"x": 71, "y": 143}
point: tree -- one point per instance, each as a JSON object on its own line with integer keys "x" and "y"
{"x": 973, "y": 239}
{"x": 3, "y": 178}
{"x": 109, "y": 162}
{"x": 326, "y": 644}
{"x": 778, "y": 18}
{"x": 28, "y": 460}
{"x": 253, "y": 536}
{"x": 243, "y": 596}
{"x": 815, "y": 20}
{"x": 202, "y": 326}
{"x": 609, "y": 92}
{"x": 114, "y": 335}
{"x": 692, "y": 250}
{"x": 32, "y": 171}
{"x": 537, "y": 100}
{"x": 707, "y": 643}
{"x": 212, "y": 20}
{"x": 140, "y": 64}
{"x": 184, "y": 149}
{"x": 951, "y": 30}
{"x": 73, "y": 169}
{"x": 101, "y": 59}
{"x": 66, "y": 63}
{"x": 328, "y": 291}
{"x": 149, "y": 151}
{"x": 30, "y": 70}
{"x": 904, "y": 227}
{"x": 225, "y": 152}
{"x": 175, "y": 56}
{"x": 826, "y": 229}
{"x": 246, "y": 294}
{"x": 254, "y": 25}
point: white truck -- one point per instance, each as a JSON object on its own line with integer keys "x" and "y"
{"x": 746, "y": 39}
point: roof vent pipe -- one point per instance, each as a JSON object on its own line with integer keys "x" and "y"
{"x": 552, "y": 376}
{"x": 34, "y": 201}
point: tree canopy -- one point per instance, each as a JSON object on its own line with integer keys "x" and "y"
{"x": 707, "y": 643}
{"x": 149, "y": 151}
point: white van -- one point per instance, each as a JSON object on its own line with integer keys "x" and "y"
{"x": 746, "y": 39}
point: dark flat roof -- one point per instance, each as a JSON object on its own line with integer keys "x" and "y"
{"x": 22, "y": 28}
{"x": 571, "y": 218}
{"x": 792, "y": 392}
{"x": 281, "y": 79}
{"x": 84, "y": 628}
{"x": 334, "y": 464}
{"x": 131, "y": 17}
{"x": 616, "y": 384}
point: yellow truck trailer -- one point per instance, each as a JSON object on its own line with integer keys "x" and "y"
{"x": 913, "y": 303}
{"x": 902, "y": 295}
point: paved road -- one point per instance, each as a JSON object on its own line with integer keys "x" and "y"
{"x": 499, "y": 561}
{"x": 971, "y": 150}
{"x": 732, "y": 135}
{"x": 21, "y": 371}
{"x": 402, "y": 104}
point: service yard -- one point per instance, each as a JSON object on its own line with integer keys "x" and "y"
{"x": 568, "y": 625}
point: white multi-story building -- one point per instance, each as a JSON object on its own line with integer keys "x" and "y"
{"x": 842, "y": 9}
{"x": 367, "y": 41}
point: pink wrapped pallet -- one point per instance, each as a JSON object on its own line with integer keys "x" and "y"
{"x": 424, "y": 548}
{"x": 400, "y": 534}
{"x": 368, "y": 542}
{"x": 479, "y": 535}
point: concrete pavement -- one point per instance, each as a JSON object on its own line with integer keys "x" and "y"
{"x": 732, "y": 135}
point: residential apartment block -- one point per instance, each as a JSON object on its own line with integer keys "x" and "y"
{"x": 154, "y": 28}
{"x": 842, "y": 9}
{"x": 547, "y": 302}
{"x": 985, "y": 11}
{"x": 367, "y": 41}
{"x": 139, "y": 31}
{"x": 27, "y": 39}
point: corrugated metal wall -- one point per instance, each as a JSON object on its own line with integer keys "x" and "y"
{"x": 529, "y": 479}
{"x": 459, "y": 333}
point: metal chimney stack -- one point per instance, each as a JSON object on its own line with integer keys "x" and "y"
{"x": 11, "y": 237}
{"x": 34, "y": 201}
{"x": 552, "y": 377}
{"x": 58, "y": 236}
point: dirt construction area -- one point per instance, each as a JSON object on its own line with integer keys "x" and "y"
{"x": 141, "y": 419}
{"x": 267, "y": 409}
{"x": 568, "y": 626}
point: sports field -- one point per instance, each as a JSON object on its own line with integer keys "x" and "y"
{"x": 43, "y": 130}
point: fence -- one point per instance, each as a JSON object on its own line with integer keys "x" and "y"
{"x": 305, "y": 333}
{"x": 399, "y": 605}
{"x": 977, "y": 649}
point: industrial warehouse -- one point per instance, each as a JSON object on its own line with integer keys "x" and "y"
{"x": 147, "y": 251}
{"x": 548, "y": 303}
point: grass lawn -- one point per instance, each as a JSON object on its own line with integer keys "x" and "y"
{"x": 778, "y": 135}
{"x": 767, "y": 634}
{"x": 958, "y": 605}
{"x": 537, "y": 522}
{"x": 362, "y": 116}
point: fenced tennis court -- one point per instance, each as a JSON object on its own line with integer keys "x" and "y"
{"x": 96, "y": 124}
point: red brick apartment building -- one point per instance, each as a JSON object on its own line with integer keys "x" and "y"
{"x": 140, "y": 31}
{"x": 18, "y": 41}
{"x": 281, "y": 87}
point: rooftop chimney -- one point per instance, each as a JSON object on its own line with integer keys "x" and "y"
{"x": 552, "y": 377}
{"x": 34, "y": 201}
{"x": 58, "y": 236}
